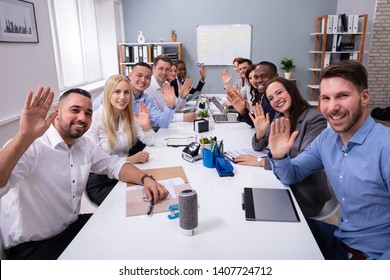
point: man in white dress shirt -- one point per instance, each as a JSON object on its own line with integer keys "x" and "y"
{"x": 164, "y": 94}
{"x": 43, "y": 174}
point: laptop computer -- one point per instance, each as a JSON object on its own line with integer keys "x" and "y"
{"x": 216, "y": 101}
{"x": 223, "y": 118}
{"x": 191, "y": 109}
{"x": 197, "y": 94}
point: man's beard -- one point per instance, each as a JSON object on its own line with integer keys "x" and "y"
{"x": 68, "y": 132}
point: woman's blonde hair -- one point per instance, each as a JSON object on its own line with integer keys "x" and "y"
{"x": 127, "y": 114}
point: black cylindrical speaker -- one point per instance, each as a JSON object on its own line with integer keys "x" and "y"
{"x": 188, "y": 212}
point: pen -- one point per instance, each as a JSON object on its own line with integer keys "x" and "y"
{"x": 151, "y": 206}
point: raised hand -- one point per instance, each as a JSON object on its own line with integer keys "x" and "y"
{"x": 260, "y": 121}
{"x": 143, "y": 118}
{"x": 33, "y": 121}
{"x": 226, "y": 77}
{"x": 168, "y": 94}
{"x": 236, "y": 99}
{"x": 185, "y": 89}
{"x": 280, "y": 139}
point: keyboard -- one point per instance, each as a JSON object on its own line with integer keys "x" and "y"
{"x": 221, "y": 107}
{"x": 221, "y": 118}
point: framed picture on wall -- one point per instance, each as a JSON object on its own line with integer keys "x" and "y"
{"x": 17, "y": 22}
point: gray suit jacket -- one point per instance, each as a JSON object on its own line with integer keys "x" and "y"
{"x": 313, "y": 191}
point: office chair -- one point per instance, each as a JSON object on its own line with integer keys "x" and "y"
{"x": 330, "y": 208}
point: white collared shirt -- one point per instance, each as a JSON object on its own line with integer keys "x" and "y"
{"x": 42, "y": 196}
{"x": 155, "y": 91}
{"x": 98, "y": 134}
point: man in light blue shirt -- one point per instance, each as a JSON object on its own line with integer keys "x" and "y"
{"x": 355, "y": 155}
{"x": 140, "y": 78}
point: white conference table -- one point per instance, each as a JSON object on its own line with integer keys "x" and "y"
{"x": 223, "y": 232}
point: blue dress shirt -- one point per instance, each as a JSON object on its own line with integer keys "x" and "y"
{"x": 158, "y": 117}
{"x": 360, "y": 176}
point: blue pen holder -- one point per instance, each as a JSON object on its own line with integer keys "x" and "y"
{"x": 208, "y": 158}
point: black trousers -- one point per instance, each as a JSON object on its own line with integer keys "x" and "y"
{"x": 48, "y": 249}
{"x": 99, "y": 186}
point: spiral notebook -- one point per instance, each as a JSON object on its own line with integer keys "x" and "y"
{"x": 262, "y": 204}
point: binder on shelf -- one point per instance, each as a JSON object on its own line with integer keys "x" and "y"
{"x": 328, "y": 21}
{"x": 329, "y": 43}
{"x": 335, "y": 23}
{"x": 355, "y": 25}
{"x": 340, "y": 27}
{"x": 159, "y": 50}
{"x": 350, "y": 23}
{"x": 330, "y": 24}
{"x": 128, "y": 69}
{"x": 140, "y": 54}
{"x": 326, "y": 60}
{"x": 344, "y": 23}
{"x": 145, "y": 53}
{"x": 127, "y": 53}
{"x": 154, "y": 52}
{"x": 334, "y": 43}
{"x": 338, "y": 46}
{"x": 135, "y": 54}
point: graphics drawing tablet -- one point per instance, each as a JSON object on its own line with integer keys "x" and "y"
{"x": 263, "y": 204}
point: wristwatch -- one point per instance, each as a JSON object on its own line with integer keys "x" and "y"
{"x": 259, "y": 159}
{"x": 147, "y": 175}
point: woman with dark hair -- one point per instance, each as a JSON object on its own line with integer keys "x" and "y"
{"x": 285, "y": 98}
{"x": 251, "y": 78}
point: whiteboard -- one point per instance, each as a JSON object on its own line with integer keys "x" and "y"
{"x": 220, "y": 44}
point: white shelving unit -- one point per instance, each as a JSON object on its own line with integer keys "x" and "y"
{"x": 333, "y": 42}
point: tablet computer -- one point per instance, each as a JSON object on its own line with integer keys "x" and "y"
{"x": 262, "y": 204}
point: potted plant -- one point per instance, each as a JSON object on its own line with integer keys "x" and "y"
{"x": 203, "y": 113}
{"x": 173, "y": 35}
{"x": 287, "y": 66}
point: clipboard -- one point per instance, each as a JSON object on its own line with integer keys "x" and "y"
{"x": 135, "y": 203}
{"x": 276, "y": 205}
{"x": 165, "y": 173}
